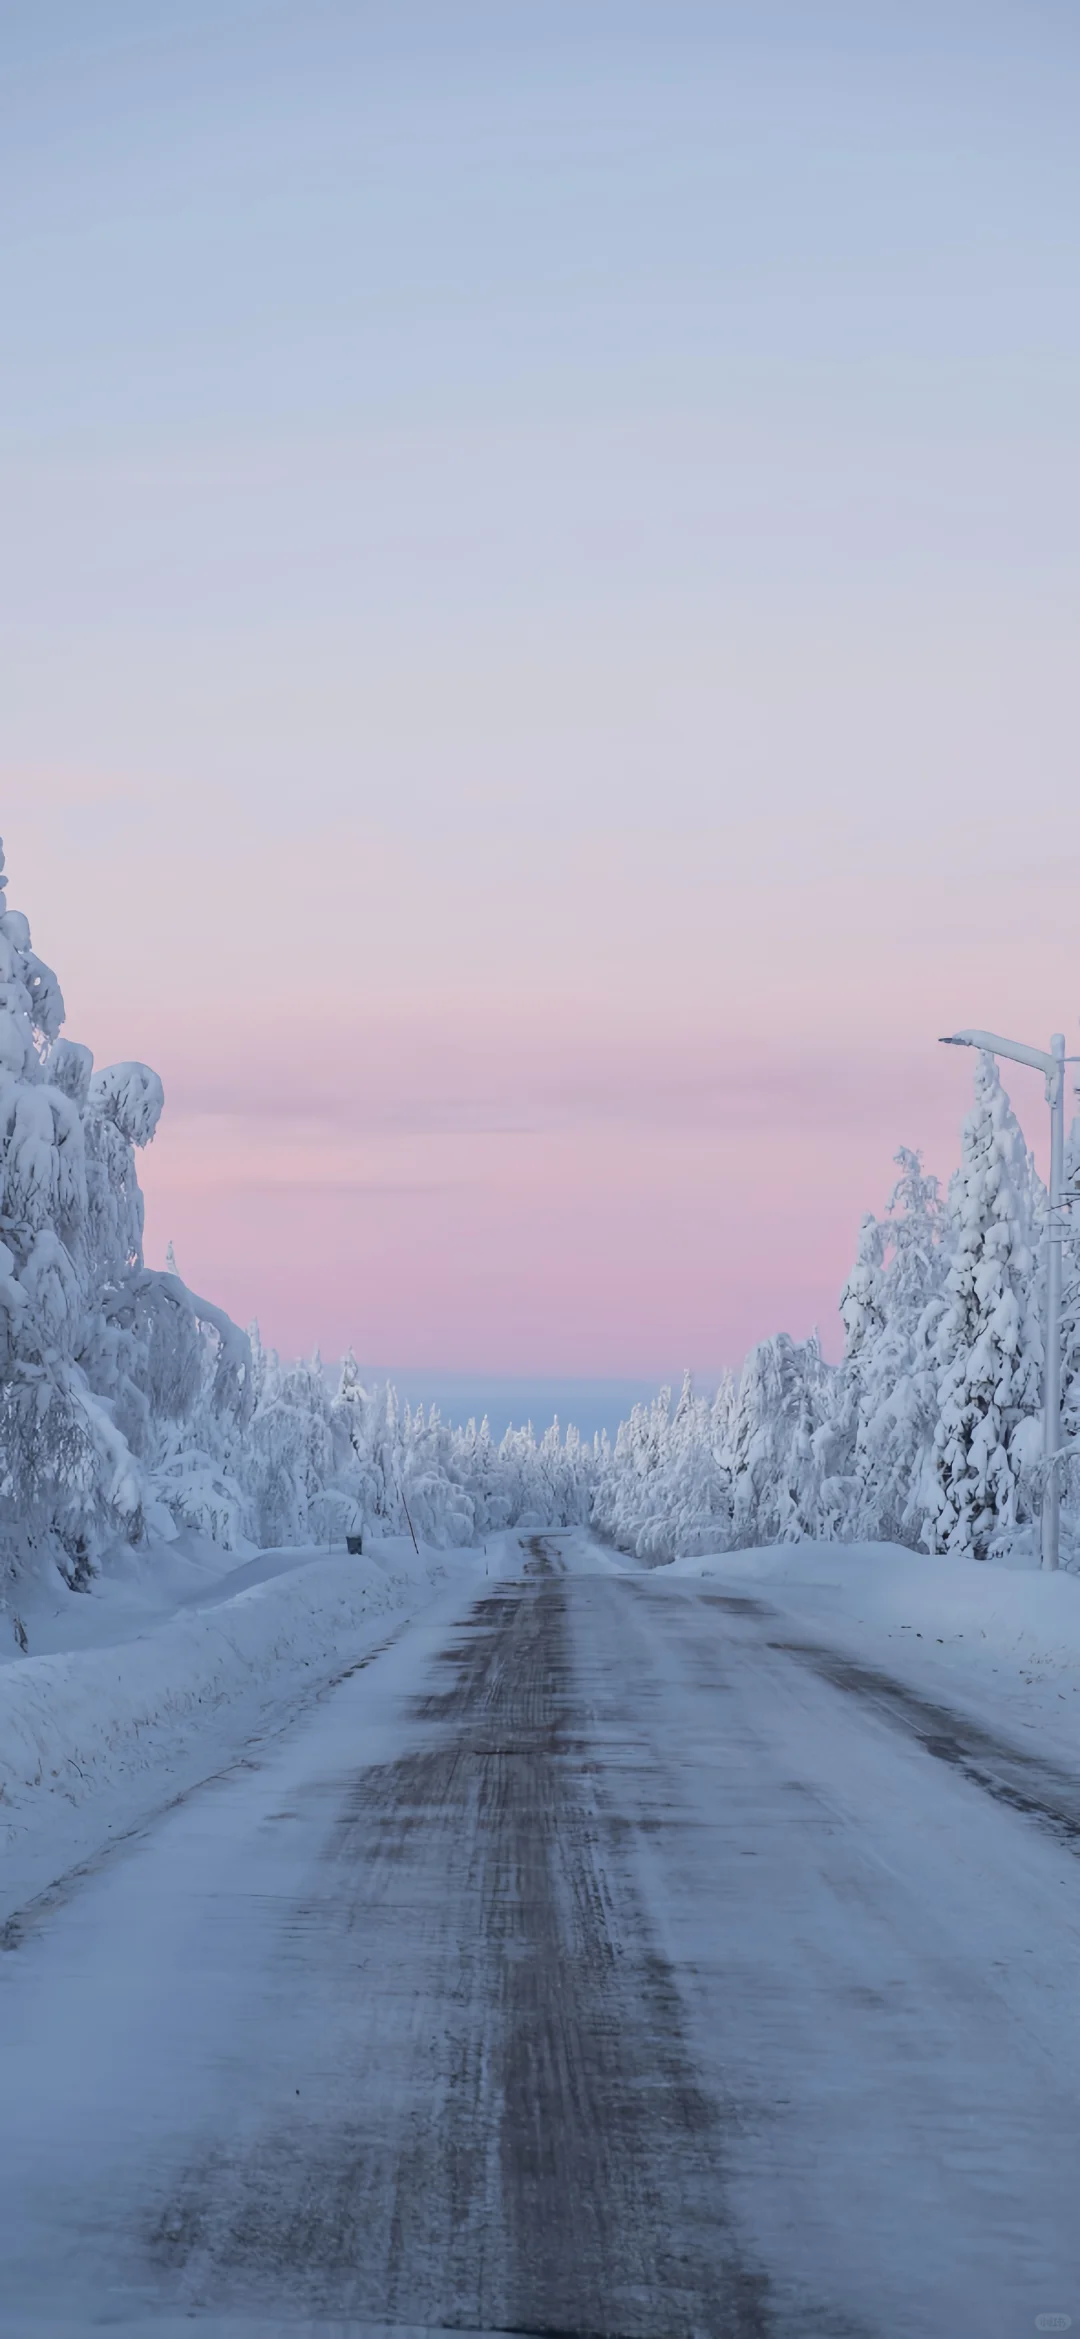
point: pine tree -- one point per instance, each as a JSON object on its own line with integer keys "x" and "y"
{"x": 1070, "y": 1314}
{"x": 892, "y": 1372}
{"x": 862, "y": 1313}
{"x": 862, "y": 1300}
{"x": 774, "y": 1454}
{"x": 987, "y": 1347}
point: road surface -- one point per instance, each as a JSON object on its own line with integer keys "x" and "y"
{"x": 608, "y": 1959}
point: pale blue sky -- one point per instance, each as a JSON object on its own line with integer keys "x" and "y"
{"x": 282, "y": 220}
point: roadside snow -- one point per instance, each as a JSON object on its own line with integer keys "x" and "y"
{"x": 1000, "y": 1638}
{"x": 180, "y": 1669}
{"x": 94, "y": 1738}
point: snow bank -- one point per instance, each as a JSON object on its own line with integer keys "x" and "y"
{"x": 77, "y": 1721}
{"x": 1013, "y": 1612}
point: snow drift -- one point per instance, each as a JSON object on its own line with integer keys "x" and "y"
{"x": 78, "y": 1722}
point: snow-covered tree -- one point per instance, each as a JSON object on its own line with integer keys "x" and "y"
{"x": 101, "y": 1359}
{"x": 987, "y": 1346}
{"x": 628, "y": 1501}
{"x": 775, "y": 1453}
{"x": 888, "y": 1377}
{"x": 1070, "y": 1332}
{"x": 689, "y": 1487}
{"x": 927, "y": 1432}
{"x": 67, "y": 1474}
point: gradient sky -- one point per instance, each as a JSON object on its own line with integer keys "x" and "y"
{"x": 539, "y": 638}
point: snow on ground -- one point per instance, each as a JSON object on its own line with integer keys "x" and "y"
{"x": 171, "y": 1667}
{"x": 162, "y": 1673}
{"x": 281, "y": 2061}
{"x": 997, "y": 1638}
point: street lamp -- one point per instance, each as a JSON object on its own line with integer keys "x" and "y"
{"x": 1053, "y": 1065}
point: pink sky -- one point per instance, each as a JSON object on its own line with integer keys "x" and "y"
{"x": 650, "y": 1164}
{"x": 539, "y": 668}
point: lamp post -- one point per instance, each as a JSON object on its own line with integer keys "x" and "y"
{"x": 1053, "y": 1066}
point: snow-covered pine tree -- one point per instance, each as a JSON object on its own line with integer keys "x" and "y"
{"x": 987, "y": 1347}
{"x": 1070, "y": 1314}
{"x": 862, "y": 1312}
{"x": 889, "y": 1367}
{"x": 774, "y": 1456}
{"x": 625, "y": 1498}
{"x": 485, "y": 1478}
{"x": 690, "y": 1489}
{"x": 862, "y": 1300}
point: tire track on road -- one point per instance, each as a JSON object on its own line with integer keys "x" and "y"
{"x": 1027, "y": 1783}
{"x": 517, "y": 2141}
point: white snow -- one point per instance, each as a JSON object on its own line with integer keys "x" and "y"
{"x": 1004, "y": 1638}
{"x": 874, "y": 1960}
{"x": 93, "y": 1737}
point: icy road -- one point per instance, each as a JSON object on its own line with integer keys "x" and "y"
{"x": 608, "y": 1955}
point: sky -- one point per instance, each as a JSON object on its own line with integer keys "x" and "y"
{"x": 540, "y": 592}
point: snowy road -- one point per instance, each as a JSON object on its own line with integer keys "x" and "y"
{"x": 612, "y": 1957}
